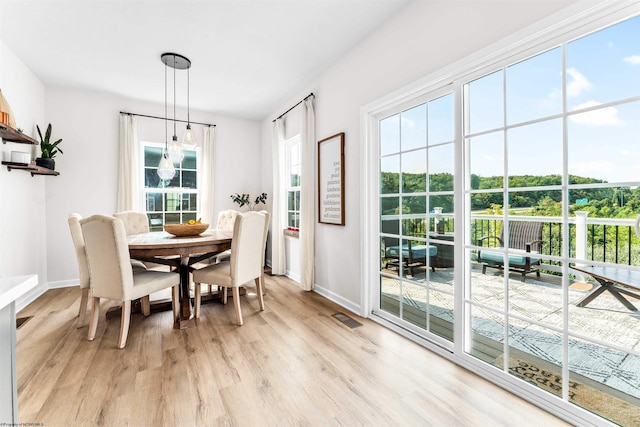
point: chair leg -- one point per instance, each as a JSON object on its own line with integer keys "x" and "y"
{"x": 145, "y": 305}
{"x": 224, "y": 294}
{"x": 484, "y": 269}
{"x": 259, "y": 288}
{"x": 175, "y": 302}
{"x": 84, "y": 302}
{"x": 197, "y": 299}
{"x": 124, "y": 323}
{"x": 264, "y": 288}
{"x": 236, "y": 304}
{"x": 95, "y": 314}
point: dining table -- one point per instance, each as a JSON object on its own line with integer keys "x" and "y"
{"x": 180, "y": 253}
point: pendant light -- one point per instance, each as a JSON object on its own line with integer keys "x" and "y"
{"x": 166, "y": 171}
{"x": 189, "y": 138}
{"x": 179, "y": 62}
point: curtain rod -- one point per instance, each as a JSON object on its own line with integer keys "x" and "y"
{"x": 304, "y": 99}
{"x": 168, "y": 119}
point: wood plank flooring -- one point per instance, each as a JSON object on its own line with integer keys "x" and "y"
{"x": 293, "y": 364}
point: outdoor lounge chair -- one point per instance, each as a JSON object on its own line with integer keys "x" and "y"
{"x": 525, "y": 240}
{"x": 413, "y": 255}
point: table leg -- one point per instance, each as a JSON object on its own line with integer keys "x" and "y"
{"x": 607, "y": 286}
{"x": 186, "y": 318}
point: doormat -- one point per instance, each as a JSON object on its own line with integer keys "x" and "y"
{"x": 22, "y": 320}
{"x": 352, "y": 323}
{"x": 587, "y": 396}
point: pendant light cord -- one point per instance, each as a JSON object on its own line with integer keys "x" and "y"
{"x": 166, "y": 121}
{"x": 188, "y": 96}
{"x": 174, "y": 96}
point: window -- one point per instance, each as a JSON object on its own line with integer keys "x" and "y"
{"x": 170, "y": 202}
{"x": 293, "y": 170}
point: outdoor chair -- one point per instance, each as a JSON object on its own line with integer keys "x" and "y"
{"x": 413, "y": 255}
{"x": 525, "y": 241}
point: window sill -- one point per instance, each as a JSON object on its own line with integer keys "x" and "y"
{"x": 291, "y": 233}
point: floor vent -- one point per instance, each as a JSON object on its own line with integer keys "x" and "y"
{"x": 22, "y": 320}
{"x": 347, "y": 320}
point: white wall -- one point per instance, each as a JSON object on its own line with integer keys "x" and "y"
{"x": 422, "y": 38}
{"x": 88, "y": 122}
{"x": 23, "y": 210}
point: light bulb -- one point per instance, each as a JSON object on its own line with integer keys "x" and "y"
{"x": 175, "y": 151}
{"x": 189, "y": 138}
{"x": 165, "y": 168}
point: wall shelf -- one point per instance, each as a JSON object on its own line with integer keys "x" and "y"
{"x": 34, "y": 169}
{"x": 9, "y": 134}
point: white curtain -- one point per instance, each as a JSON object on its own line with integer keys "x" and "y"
{"x": 278, "y": 218}
{"x": 308, "y": 194}
{"x": 129, "y": 195}
{"x": 206, "y": 185}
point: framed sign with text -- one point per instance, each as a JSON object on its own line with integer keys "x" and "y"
{"x": 331, "y": 180}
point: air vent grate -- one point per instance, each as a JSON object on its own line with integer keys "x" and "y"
{"x": 347, "y": 320}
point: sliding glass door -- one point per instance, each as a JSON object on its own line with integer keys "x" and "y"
{"x": 416, "y": 233}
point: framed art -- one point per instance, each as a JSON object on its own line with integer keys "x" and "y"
{"x": 331, "y": 180}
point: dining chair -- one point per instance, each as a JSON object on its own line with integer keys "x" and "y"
{"x": 136, "y": 223}
{"x": 245, "y": 264}
{"x": 83, "y": 267}
{"x": 226, "y": 221}
{"x": 112, "y": 276}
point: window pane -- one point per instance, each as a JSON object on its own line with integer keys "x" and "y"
{"x": 189, "y": 161}
{"x": 152, "y": 156}
{"x": 295, "y": 176}
{"x": 154, "y": 202}
{"x": 390, "y": 175}
{"x": 172, "y": 218}
{"x": 535, "y": 154}
{"x": 486, "y": 160}
{"x": 155, "y": 222}
{"x": 441, "y": 168}
{"x": 441, "y": 214}
{"x": 414, "y": 128}
{"x": 389, "y": 211}
{"x": 414, "y": 216}
{"x": 172, "y": 202}
{"x": 189, "y": 179}
{"x": 175, "y": 181}
{"x": 291, "y": 201}
{"x": 389, "y": 135}
{"x": 441, "y": 120}
{"x": 604, "y": 66}
{"x": 189, "y": 202}
{"x": 485, "y": 103}
{"x": 414, "y": 171}
{"x": 151, "y": 178}
{"x": 534, "y": 87}
{"x": 603, "y": 144}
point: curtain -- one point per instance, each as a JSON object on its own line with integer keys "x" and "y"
{"x": 129, "y": 196}
{"x": 278, "y": 257}
{"x": 308, "y": 194}
{"x": 207, "y": 176}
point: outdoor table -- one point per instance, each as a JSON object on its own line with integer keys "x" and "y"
{"x": 612, "y": 279}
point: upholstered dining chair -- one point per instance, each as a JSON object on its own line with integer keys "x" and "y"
{"x": 112, "y": 276}
{"x": 83, "y": 267}
{"x": 136, "y": 223}
{"x": 245, "y": 264}
{"x": 226, "y": 220}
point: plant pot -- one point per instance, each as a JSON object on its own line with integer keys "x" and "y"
{"x": 46, "y": 162}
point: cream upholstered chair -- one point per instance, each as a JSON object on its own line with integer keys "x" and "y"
{"x": 83, "y": 267}
{"x": 226, "y": 220}
{"x": 245, "y": 264}
{"x": 112, "y": 276}
{"x": 134, "y": 222}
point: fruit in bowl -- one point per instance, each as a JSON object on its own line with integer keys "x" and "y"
{"x": 192, "y": 228}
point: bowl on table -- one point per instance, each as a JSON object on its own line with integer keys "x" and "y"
{"x": 183, "y": 230}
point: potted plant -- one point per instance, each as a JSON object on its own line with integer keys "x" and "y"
{"x": 49, "y": 149}
{"x": 244, "y": 199}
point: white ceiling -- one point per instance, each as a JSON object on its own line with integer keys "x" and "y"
{"x": 248, "y": 56}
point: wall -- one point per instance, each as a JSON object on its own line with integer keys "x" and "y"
{"x": 89, "y": 124}
{"x": 421, "y": 38}
{"x": 22, "y": 197}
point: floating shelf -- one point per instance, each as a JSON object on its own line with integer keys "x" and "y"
{"x": 30, "y": 167}
{"x": 10, "y": 134}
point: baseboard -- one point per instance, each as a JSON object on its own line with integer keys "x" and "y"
{"x": 332, "y": 296}
{"x": 30, "y": 296}
{"x": 62, "y": 284}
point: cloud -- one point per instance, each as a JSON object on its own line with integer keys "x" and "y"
{"x": 599, "y": 117}
{"x": 592, "y": 168}
{"x": 633, "y": 59}
{"x": 578, "y": 83}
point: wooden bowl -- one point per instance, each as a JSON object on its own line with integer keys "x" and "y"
{"x": 182, "y": 230}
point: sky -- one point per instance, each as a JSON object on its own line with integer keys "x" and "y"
{"x": 602, "y": 141}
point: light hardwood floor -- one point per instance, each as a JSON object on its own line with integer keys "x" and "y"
{"x": 293, "y": 364}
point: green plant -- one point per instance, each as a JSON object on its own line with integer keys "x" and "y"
{"x": 49, "y": 149}
{"x": 244, "y": 199}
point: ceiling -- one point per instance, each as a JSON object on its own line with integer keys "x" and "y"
{"x": 248, "y": 56}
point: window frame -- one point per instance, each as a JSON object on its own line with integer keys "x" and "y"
{"x": 289, "y": 145}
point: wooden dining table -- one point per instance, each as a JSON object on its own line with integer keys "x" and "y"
{"x": 181, "y": 253}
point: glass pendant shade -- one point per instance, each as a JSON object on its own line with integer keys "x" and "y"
{"x": 189, "y": 140}
{"x": 165, "y": 168}
{"x": 175, "y": 151}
